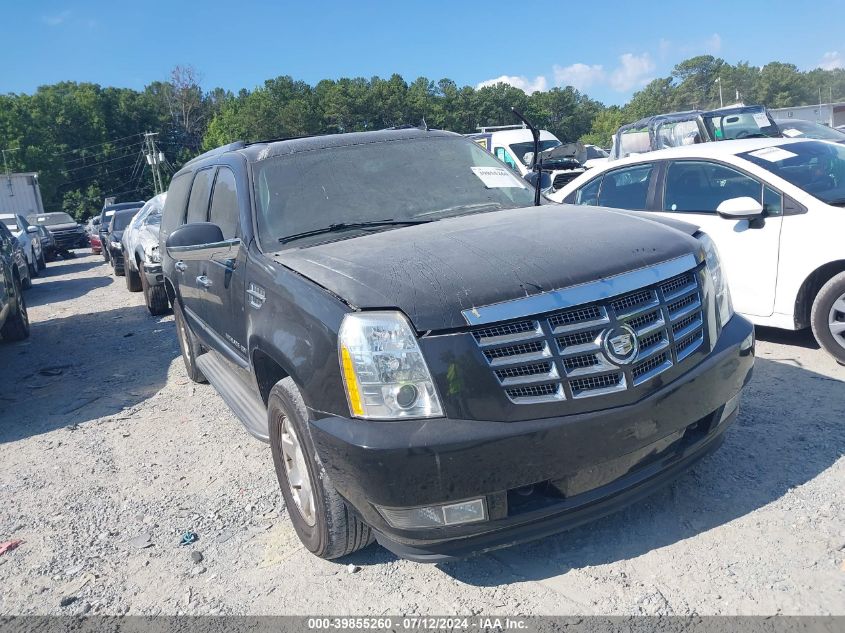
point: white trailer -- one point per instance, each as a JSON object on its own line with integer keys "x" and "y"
{"x": 20, "y": 193}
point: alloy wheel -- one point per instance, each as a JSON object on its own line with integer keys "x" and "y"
{"x": 296, "y": 469}
{"x": 836, "y": 320}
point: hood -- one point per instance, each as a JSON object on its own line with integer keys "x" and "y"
{"x": 68, "y": 226}
{"x": 434, "y": 271}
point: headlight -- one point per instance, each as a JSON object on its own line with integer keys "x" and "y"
{"x": 154, "y": 255}
{"x": 724, "y": 307}
{"x": 116, "y": 245}
{"x": 383, "y": 369}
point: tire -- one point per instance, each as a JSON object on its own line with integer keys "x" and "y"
{"x": 104, "y": 252}
{"x": 189, "y": 345}
{"x": 133, "y": 280}
{"x": 16, "y": 327}
{"x": 42, "y": 263}
{"x": 119, "y": 269}
{"x": 828, "y": 317}
{"x": 155, "y": 297}
{"x": 32, "y": 265}
{"x": 26, "y": 284}
{"x": 323, "y": 521}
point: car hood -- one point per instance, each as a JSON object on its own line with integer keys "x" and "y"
{"x": 70, "y": 226}
{"x": 432, "y": 272}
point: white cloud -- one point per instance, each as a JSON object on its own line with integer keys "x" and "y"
{"x": 634, "y": 71}
{"x": 713, "y": 44}
{"x": 579, "y": 76}
{"x": 832, "y": 60}
{"x": 523, "y": 83}
{"x": 56, "y": 18}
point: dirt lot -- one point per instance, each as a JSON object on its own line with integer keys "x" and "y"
{"x": 109, "y": 454}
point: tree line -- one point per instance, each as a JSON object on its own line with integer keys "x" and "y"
{"x": 85, "y": 140}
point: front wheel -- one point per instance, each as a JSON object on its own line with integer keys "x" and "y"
{"x": 32, "y": 264}
{"x": 155, "y": 297}
{"x": 189, "y": 345}
{"x": 828, "y": 317}
{"x": 324, "y": 523}
{"x": 133, "y": 280}
{"x": 42, "y": 262}
{"x": 16, "y": 327}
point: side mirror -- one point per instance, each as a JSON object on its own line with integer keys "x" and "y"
{"x": 193, "y": 235}
{"x": 200, "y": 241}
{"x": 32, "y": 229}
{"x": 743, "y": 208}
{"x": 545, "y": 179}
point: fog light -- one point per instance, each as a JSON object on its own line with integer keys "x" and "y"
{"x": 435, "y": 516}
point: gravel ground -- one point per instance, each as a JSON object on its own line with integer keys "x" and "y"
{"x": 109, "y": 454}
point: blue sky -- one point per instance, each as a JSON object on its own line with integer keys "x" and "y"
{"x": 606, "y": 48}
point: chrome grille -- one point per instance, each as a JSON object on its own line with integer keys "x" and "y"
{"x": 561, "y": 355}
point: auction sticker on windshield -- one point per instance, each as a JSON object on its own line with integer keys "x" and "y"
{"x": 761, "y": 119}
{"x": 772, "y": 154}
{"x": 497, "y": 177}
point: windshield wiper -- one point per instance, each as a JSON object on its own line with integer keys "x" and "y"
{"x": 344, "y": 226}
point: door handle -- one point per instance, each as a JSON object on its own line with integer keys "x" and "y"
{"x": 204, "y": 281}
{"x": 180, "y": 266}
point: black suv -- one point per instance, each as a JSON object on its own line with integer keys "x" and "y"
{"x": 14, "y": 321}
{"x": 436, "y": 363}
{"x": 113, "y": 236}
{"x": 105, "y": 217}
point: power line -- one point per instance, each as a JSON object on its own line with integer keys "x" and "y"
{"x": 114, "y": 140}
{"x": 102, "y": 162}
{"x": 106, "y": 152}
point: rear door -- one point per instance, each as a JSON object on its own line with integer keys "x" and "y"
{"x": 223, "y": 272}
{"x": 190, "y": 271}
{"x": 693, "y": 189}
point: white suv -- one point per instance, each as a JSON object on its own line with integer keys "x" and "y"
{"x": 774, "y": 208}
{"x": 27, "y": 235}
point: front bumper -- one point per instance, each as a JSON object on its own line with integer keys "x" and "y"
{"x": 154, "y": 274}
{"x": 539, "y": 476}
{"x": 70, "y": 240}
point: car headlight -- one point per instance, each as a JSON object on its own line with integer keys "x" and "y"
{"x": 724, "y": 306}
{"x": 384, "y": 372}
{"x": 116, "y": 245}
{"x": 154, "y": 255}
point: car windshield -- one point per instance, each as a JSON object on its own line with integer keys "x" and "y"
{"x": 816, "y": 167}
{"x": 810, "y": 129}
{"x": 153, "y": 218}
{"x": 742, "y": 125}
{"x": 410, "y": 180}
{"x": 525, "y": 151}
{"x": 51, "y": 219}
{"x": 121, "y": 220}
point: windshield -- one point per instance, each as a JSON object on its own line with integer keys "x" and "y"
{"x": 525, "y": 151}
{"x": 743, "y": 125}
{"x": 153, "y": 218}
{"x": 810, "y": 129}
{"x": 51, "y": 219}
{"x": 121, "y": 220}
{"x": 594, "y": 152}
{"x": 404, "y": 180}
{"x": 816, "y": 167}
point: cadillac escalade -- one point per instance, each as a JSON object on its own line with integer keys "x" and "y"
{"x": 437, "y": 363}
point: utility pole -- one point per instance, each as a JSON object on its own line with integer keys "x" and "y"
{"x": 154, "y": 159}
{"x": 721, "y": 101}
{"x": 6, "y": 169}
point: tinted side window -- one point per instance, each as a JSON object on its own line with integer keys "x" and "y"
{"x": 224, "y": 203}
{"x": 702, "y": 186}
{"x": 772, "y": 202}
{"x": 174, "y": 206}
{"x": 198, "y": 202}
{"x": 589, "y": 193}
{"x": 626, "y": 188}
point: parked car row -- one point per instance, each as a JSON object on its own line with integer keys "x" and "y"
{"x": 130, "y": 243}
{"x": 14, "y": 278}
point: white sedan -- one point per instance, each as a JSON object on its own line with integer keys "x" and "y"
{"x": 774, "y": 207}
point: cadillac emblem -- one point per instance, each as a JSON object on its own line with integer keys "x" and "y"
{"x": 620, "y": 344}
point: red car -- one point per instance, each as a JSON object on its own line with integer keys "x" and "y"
{"x": 96, "y": 244}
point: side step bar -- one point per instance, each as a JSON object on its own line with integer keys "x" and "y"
{"x": 242, "y": 400}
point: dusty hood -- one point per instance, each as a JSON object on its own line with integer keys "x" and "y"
{"x": 434, "y": 271}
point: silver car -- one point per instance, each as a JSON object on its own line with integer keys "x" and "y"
{"x": 142, "y": 259}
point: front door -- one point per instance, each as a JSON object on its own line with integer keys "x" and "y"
{"x": 224, "y": 273}
{"x": 189, "y": 271}
{"x": 749, "y": 249}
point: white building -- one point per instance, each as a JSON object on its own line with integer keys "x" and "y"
{"x": 831, "y": 114}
